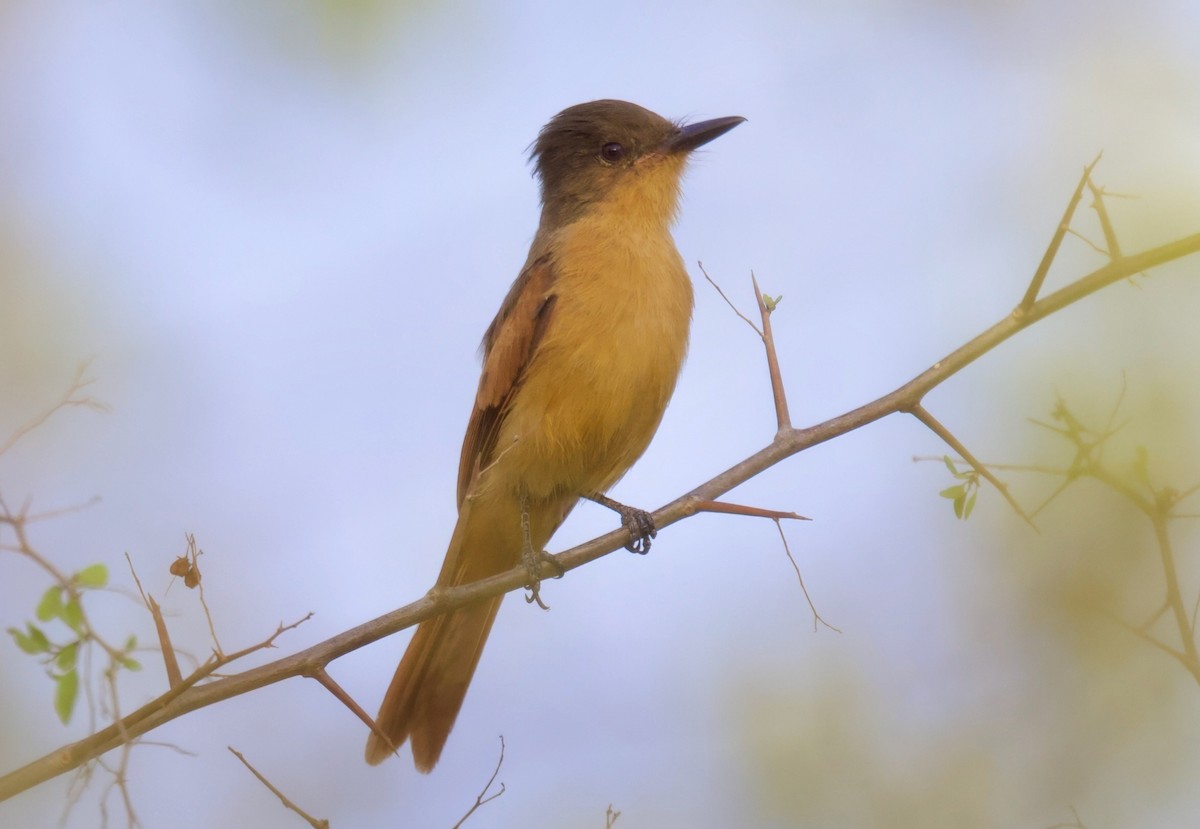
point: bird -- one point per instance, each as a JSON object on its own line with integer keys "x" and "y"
{"x": 578, "y": 367}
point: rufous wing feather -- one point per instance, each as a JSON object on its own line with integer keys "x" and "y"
{"x": 431, "y": 681}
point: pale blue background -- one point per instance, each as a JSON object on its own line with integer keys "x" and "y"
{"x": 279, "y": 229}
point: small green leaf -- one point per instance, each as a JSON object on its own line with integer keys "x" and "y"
{"x": 33, "y": 641}
{"x": 130, "y": 663}
{"x": 50, "y": 607}
{"x": 21, "y": 640}
{"x": 130, "y": 643}
{"x": 40, "y": 638}
{"x": 65, "y": 695}
{"x": 771, "y": 303}
{"x": 949, "y": 465}
{"x": 956, "y": 492}
{"x": 72, "y": 614}
{"x": 65, "y": 661}
{"x": 970, "y": 505}
{"x": 958, "y": 507}
{"x": 95, "y": 575}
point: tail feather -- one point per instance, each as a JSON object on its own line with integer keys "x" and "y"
{"x": 430, "y": 683}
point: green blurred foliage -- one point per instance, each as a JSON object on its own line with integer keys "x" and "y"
{"x": 1056, "y": 705}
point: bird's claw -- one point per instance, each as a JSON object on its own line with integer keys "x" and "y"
{"x": 640, "y": 526}
{"x": 533, "y": 561}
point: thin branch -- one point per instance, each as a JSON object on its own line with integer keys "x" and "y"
{"x": 340, "y": 693}
{"x": 1157, "y": 509}
{"x": 726, "y": 508}
{"x": 17, "y": 521}
{"x": 70, "y": 398}
{"x": 817, "y": 617}
{"x": 1068, "y": 480}
{"x": 175, "y": 702}
{"x": 1146, "y": 637}
{"x": 729, "y": 302}
{"x": 483, "y": 796}
{"x": 782, "y": 418}
{"x": 316, "y": 823}
{"x": 30, "y": 518}
{"x": 1149, "y": 623}
{"x": 170, "y": 662}
{"x": 1110, "y": 235}
{"x": 1087, "y": 241}
{"x": 1035, "y": 284}
{"x": 1190, "y": 658}
{"x": 921, "y": 414}
{"x": 1188, "y": 493}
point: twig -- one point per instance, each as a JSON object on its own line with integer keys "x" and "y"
{"x": 817, "y": 617}
{"x": 921, "y": 414}
{"x": 483, "y": 796}
{"x": 727, "y": 508}
{"x": 1068, "y": 480}
{"x": 195, "y": 579}
{"x": 1157, "y": 507}
{"x": 1087, "y": 241}
{"x": 745, "y": 318}
{"x": 1146, "y": 637}
{"x": 1188, "y": 493}
{"x": 31, "y": 518}
{"x": 170, "y": 662}
{"x": 1035, "y": 285}
{"x": 316, "y": 823}
{"x": 1110, "y": 235}
{"x": 1190, "y": 657}
{"x": 783, "y": 419}
{"x": 78, "y": 383}
{"x": 322, "y": 676}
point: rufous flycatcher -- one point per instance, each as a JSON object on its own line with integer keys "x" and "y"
{"x": 578, "y": 366}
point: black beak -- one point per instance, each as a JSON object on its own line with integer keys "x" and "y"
{"x": 691, "y": 136}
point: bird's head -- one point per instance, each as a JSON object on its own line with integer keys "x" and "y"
{"x": 616, "y": 153}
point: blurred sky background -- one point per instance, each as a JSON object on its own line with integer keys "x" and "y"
{"x": 278, "y": 230}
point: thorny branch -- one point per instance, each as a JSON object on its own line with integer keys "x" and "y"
{"x": 1159, "y": 504}
{"x": 195, "y": 693}
{"x": 1039, "y": 276}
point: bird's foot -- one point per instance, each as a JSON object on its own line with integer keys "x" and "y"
{"x": 637, "y": 522}
{"x": 533, "y": 561}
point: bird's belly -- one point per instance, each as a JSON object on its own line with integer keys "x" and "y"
{"x": 592, "y": 402}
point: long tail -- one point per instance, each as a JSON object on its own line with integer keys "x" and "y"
{"x": 431, "y": 681}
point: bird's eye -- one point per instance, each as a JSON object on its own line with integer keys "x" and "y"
{"x": 612, "y": 152}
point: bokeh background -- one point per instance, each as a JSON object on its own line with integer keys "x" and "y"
{"x": 278, "y": 229}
